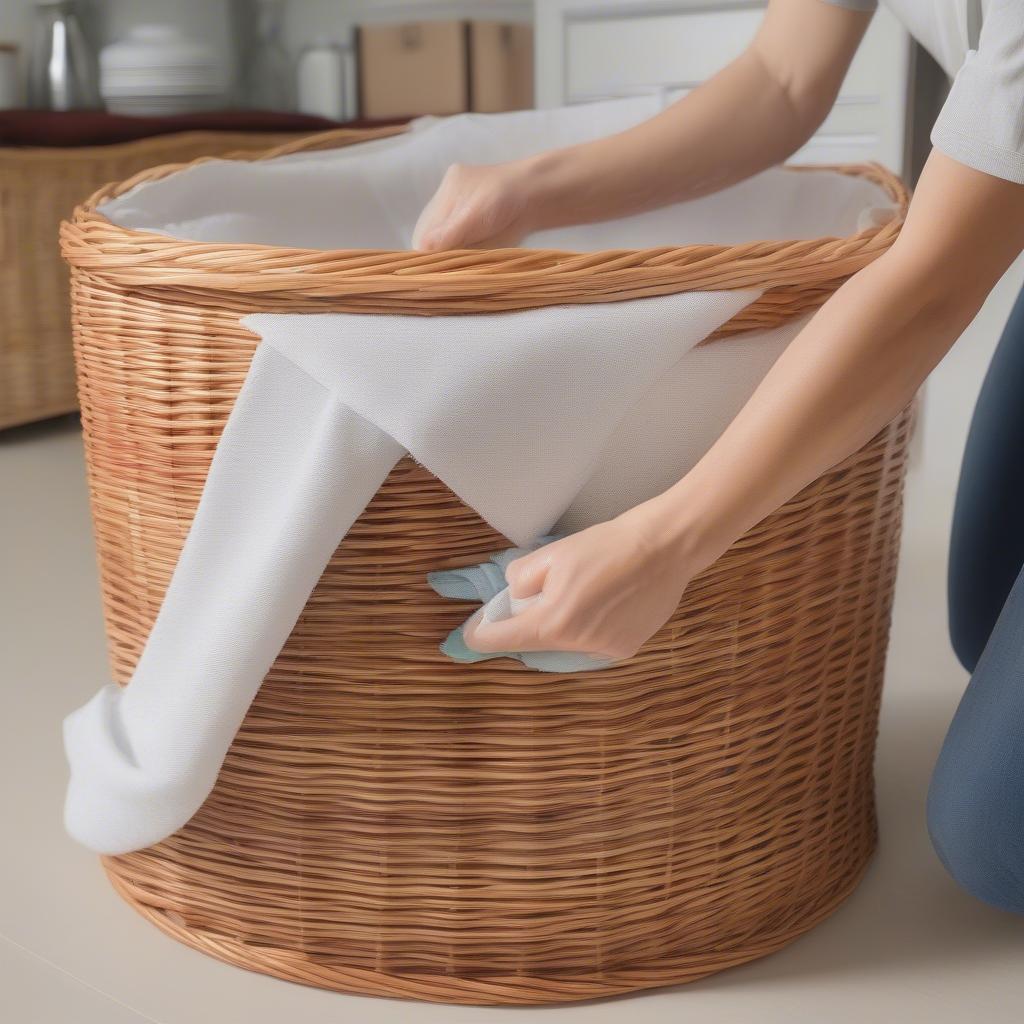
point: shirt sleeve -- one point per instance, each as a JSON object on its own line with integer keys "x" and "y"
{"x": 982, "y": 122}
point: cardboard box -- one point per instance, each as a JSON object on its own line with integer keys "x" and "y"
{"x": 444, "y": 67}
{"x": 501, "y": 66}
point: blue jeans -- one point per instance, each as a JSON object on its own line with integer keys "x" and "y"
{"x": 976, "y": 799}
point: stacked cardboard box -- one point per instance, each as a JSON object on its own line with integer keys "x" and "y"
{"x": 444, "y": 67}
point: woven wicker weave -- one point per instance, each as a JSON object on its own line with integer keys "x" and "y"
{"x": 39, "y": 187}
{"x": 388, "y": 822}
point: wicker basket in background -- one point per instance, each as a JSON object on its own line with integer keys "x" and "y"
{"x": 38, "y": 188}
{"x": 389, "y": 822}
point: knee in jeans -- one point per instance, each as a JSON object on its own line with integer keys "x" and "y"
{"x": 979, "y": 838}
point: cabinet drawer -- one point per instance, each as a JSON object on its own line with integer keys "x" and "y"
{"x": 616, "y": 56}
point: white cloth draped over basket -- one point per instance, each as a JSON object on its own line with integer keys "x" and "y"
{"x": 541, "y": 420}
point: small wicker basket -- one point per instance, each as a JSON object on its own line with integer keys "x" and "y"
{"x": 388, "y": 822}
{"x": 38, "y": 188}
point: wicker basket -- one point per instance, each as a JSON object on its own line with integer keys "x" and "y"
{"x": 388, "y": 822}
{"x": 39, "y": 187}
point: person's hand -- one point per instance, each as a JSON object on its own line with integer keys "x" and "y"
{"x": 485, "y": 206}
{"x": 604, "y": 591}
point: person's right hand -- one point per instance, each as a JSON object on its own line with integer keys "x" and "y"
{"x": 477, "y": 206}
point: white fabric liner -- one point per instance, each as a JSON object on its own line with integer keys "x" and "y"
{"x": 541, "y": 420}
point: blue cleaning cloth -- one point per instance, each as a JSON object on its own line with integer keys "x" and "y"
{"x": 486, "y": 583}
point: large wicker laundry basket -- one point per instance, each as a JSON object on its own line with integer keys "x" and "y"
{"x": 388, "y": 822}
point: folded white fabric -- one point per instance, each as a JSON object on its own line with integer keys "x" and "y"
{"x": 565, "y": 415}
{"x": 370, "y": 196}
{"x": 512, "y": 412}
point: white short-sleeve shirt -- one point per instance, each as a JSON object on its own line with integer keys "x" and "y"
{"x": 980, "y": 45}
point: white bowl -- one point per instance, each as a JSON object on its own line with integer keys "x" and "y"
{"x": 156, "y": 46}
{"x": 156, "y": 66}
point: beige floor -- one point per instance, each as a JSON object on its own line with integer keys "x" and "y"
{"x": 908, "y": 946}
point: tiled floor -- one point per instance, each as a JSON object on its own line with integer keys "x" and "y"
{"x": 908, "y": 946}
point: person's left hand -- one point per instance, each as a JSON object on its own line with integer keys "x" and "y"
{"x": 604, "y": 591}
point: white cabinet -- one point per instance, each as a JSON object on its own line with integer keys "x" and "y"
{"x": 595, "y": 49}
{"x": 613, "y": 56}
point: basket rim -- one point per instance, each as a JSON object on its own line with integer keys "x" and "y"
{"x": 481, "y": 279}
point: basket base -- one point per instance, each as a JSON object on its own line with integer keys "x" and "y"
{"x": 508, "y": 990}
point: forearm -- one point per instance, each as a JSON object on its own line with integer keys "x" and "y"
{"x": 733, "y": 126}
{"x": 854, "y": 367}
{"x": 753, "y": 114}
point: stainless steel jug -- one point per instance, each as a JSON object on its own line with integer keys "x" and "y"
{"x": 62, "y": 68}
